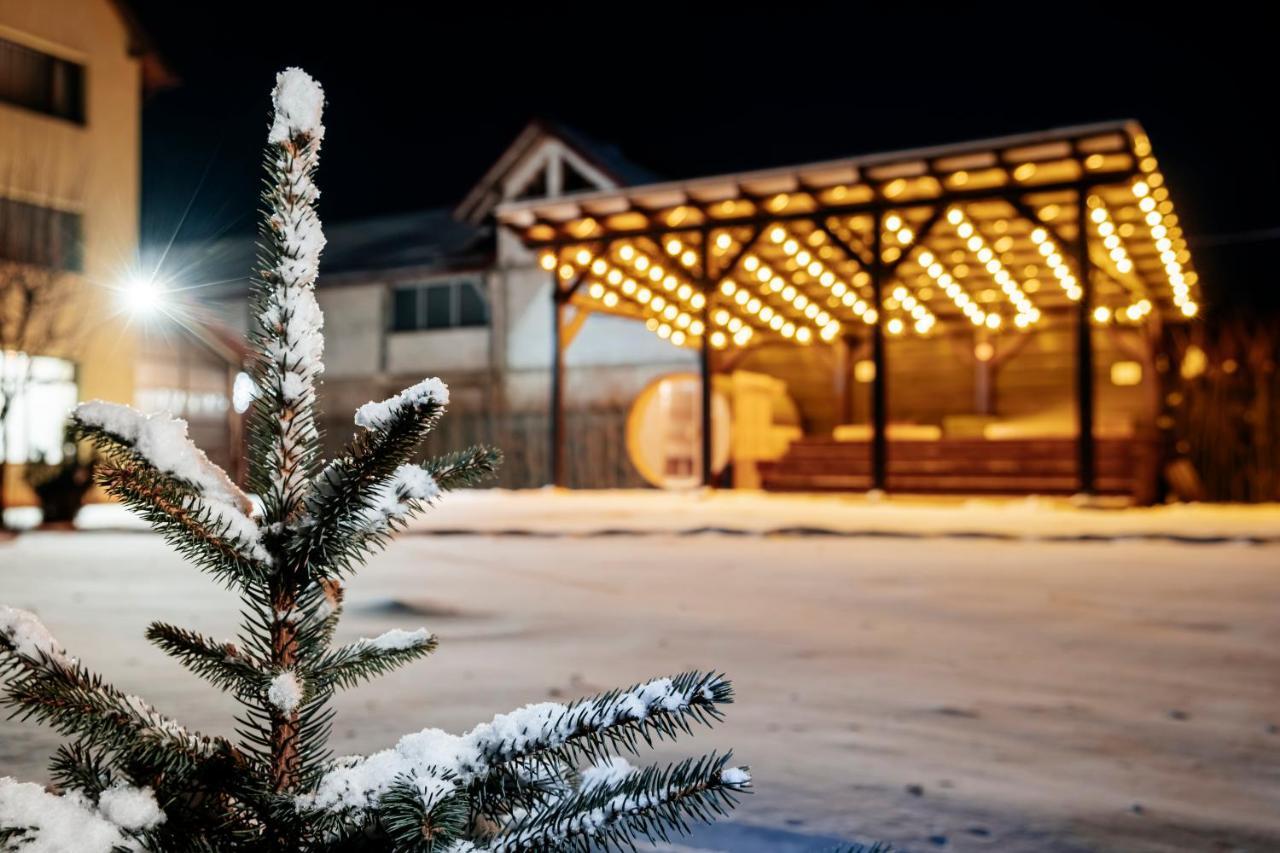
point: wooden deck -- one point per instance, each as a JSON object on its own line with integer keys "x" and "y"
{"x": 952, "y": 465}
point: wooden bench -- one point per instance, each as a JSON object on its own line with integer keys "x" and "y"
{"x": 960, "y": 465}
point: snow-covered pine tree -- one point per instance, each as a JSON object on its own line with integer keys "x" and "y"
{"x": 545, "y": 777}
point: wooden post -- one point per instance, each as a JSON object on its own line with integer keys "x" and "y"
{"x": 556, "y": 412}
{"x": 879, "y": 397}
{"x": 843, "y": 379}
{"x": 1084, "y": 351}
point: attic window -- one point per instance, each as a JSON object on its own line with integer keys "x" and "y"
{"x": 535, "y": 188}
{"x": 575, "y": 181}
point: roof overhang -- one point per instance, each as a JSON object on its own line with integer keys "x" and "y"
{"x": 984, "y": 233}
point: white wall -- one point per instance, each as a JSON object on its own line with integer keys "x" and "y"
{"x": 354, "y": 324}
{"x": 438, "y": 351}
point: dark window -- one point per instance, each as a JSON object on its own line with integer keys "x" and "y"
{"x": 440, "y": 305}
{"x": 30, "y": 234}
{"x": 440, "y": 299}
{"x": 40, "y": 82}
{"x": 536, "y": 188}
{"x": 471, "y": 308}
{"x": 575, "y": 181}
{"x": 404, "y": 313}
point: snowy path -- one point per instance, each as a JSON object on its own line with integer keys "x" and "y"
{"x": 940, "y": 693}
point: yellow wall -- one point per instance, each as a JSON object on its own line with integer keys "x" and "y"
{"x": 93, "y": 169}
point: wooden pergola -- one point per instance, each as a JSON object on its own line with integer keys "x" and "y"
{"x": 999, "y": 234}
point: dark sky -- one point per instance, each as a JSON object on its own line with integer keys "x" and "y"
{"x": 420, "y": 103}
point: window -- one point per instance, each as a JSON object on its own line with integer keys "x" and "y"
{"x": 45, "y": 395}
{"x": 30, "y": 234}
{"x": 535, "y": 188}
{"x": 440, "y": 305}
{"x": 575, "y": 181}
{"x": 40, "y": 82}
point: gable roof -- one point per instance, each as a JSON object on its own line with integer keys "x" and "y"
{"x": 609, "y": 159}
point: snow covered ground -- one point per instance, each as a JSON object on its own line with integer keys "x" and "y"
{"x": 960, "y": 676}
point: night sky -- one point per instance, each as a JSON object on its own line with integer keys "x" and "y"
{"x": 420, "y": 104}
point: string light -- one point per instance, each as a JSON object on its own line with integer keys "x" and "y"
{"x": 922, "y": 318}
{"x": 947, "y": 281}
{"x": 977, "y": 245}
{"x": 1053, "y": 257}
{"x": 829, "y": 326}
{"x": 610, "y": 284}
{"x": 1106, "y": 228}
{"x": 1166, "y": 236}
{"x": 772, "y": 285}
{"x": 846, "y": 292}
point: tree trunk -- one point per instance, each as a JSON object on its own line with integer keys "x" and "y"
{"x": 284, "y": 725}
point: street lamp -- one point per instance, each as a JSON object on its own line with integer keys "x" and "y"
{"x": 143, "y": 295}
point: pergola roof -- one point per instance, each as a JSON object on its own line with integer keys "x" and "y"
{"x": 978, "y": 234}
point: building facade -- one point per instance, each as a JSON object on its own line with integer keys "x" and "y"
{"x": 72, "y": 78}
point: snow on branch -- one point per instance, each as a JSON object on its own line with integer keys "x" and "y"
{"x": 396, "y": 501}
{"x": 76, "y": 702}
{"x": 55, "y": 688}
{"x": 590, "y": 727}
{"x": 299, "y": 102}
{"x": 285, "y": 691}
{"x": 214, "y": 505}
{"x": 375, "y": 416}
{"x": 41, "y": 822}
{"x": 289, "y": 335}
{"x": 611, "y": 771}
{"x": 357, "y": 497}
{"x": 604, "y": 812}
{"x": 24, "y": 634}
{"x": 365, "y": 658}
{"x": 162, "y": 441}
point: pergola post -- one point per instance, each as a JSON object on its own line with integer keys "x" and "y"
{"x": 556, "y": 412}
{"x": 879, "y": 413}
{"x": 704, "y": 363}
{"x": 1085, "y": 456}
{"x": 842, "y": 381}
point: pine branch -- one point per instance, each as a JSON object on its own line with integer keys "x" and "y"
{"x": 158, "y": 443}
{"x": 156, "y": 471}
{"x": 200, "y": 532}
{"x": 464, "y": 468}
{"x": 222, "y": 664}
{"x": 61, "y": 693}
{"x": 80, "y": 767}
{"x": 592, "y": 729}
{"x": 283, "y": 432}
{"x": 332, "y": 536}
{"x": 422, "y": 818}
{"x": 364, "y": 659}
{"x": 655, "y": 803}
{"x": 537, "y": 741}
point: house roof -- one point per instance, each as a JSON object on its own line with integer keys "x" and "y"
{"x": 486, "y": 195}
{"x": 422, "y": 242}
{"x": 156, "y": 73}
{"x": 605, "y": 156}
